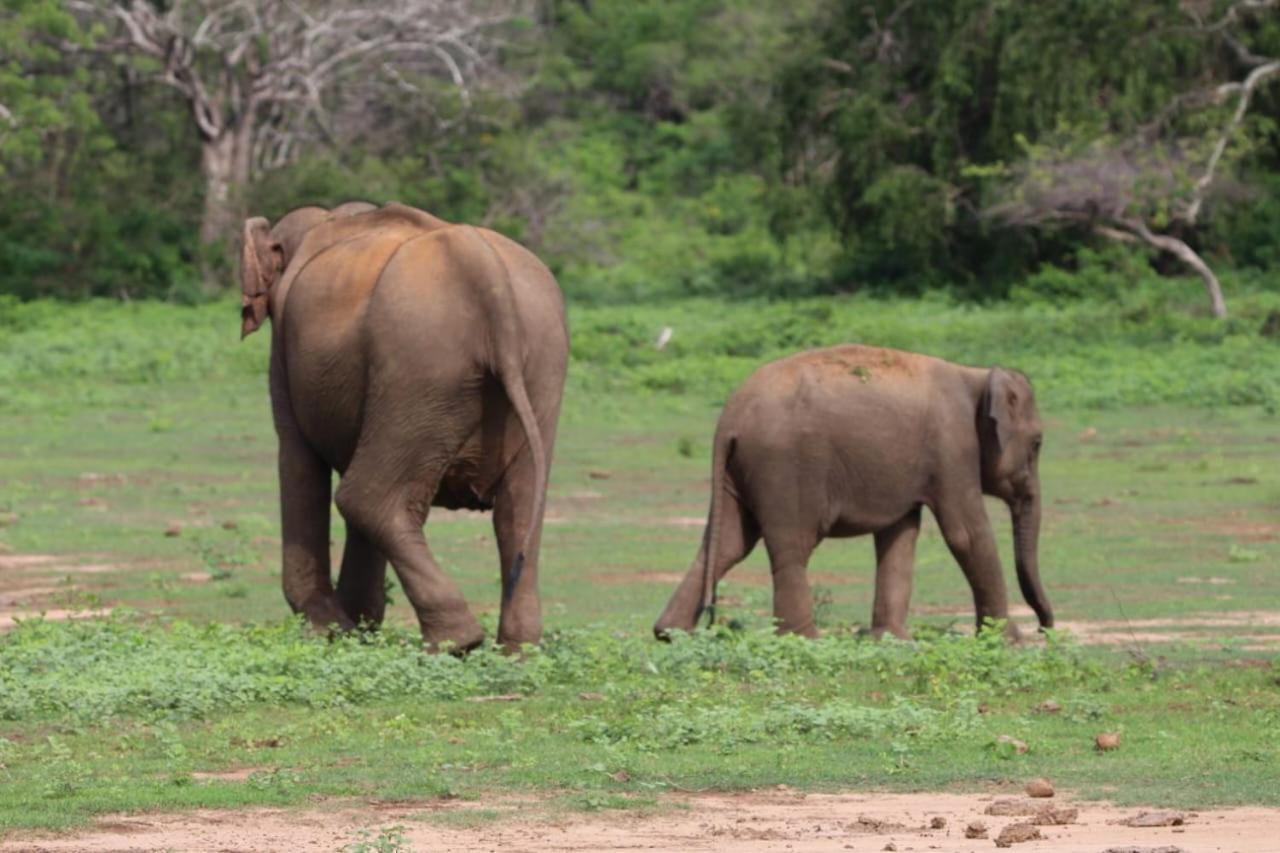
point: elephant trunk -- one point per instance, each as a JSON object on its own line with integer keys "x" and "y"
{"x": 1026, "y": 542}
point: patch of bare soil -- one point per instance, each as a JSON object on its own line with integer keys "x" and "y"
{"x": 748, "y": 821}
{"x": 34, "y": 585}
{"x": 1193, "y": 628}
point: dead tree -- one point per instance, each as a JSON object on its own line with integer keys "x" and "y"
{"x": 1150, "y": 187}
{"x": 259, "y": 76}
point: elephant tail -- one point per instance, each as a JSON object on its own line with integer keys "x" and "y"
{"x": 719, "y": 470}
{"x": 506, "y": 348}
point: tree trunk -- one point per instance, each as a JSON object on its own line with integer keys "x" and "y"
{"x": 224, "y": 162}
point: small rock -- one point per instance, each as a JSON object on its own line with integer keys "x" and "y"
{"x": 1107, "y": 741}
{"x": 173, "y": 530}
{"x": 1155, "y": 819}
{"x": 976, "y": 829}
{"x": 591, "y": 697}
{"x": 938, "y": 822}
{"x": 1016, "y": 833}
{"x": 890, "y": 846}
{"x": 1048, "y": 706}
{"x": 1019, "y": 746}
{"x": 1039, "y": 788}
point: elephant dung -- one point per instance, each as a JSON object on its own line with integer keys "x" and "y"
{"x": 1049, "y": 816}
{"x": 975, "y": 829}
{"x": 1039, "y": 788}
{"x": 1107, "y": 741}
{"x": 1016, "y": 833}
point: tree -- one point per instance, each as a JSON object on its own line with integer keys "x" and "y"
{"x": 1151, "y": 186}
{"x": 261, "y": 78}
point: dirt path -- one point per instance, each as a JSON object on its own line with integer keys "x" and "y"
{"x": 748, "y": 821}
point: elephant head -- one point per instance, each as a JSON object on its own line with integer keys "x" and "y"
{"x": 266, "y": 251}
{"x": 1011, "y": 433}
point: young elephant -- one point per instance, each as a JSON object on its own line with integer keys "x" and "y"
{"x": 424, "y": 362}
{"x": 854, "y": 439}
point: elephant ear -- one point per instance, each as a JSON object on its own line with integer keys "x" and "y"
{"x": 261, "y": 264}
{"x": 1004, "y": 403}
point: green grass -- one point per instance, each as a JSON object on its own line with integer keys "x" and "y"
{"x": 111, "y": 715}
{"x": 1161, "y": 502}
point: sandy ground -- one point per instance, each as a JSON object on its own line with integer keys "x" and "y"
{"x": 751, "y": 821}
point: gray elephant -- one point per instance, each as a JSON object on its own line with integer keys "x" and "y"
{"x": 854, "y": 439}
{"x": 424, "y": 362}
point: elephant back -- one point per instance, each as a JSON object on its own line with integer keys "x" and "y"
{"x": 394, "y": 223}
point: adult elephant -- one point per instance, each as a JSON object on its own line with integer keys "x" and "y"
{"x": 424, "y": 362}
{"x": 854, "y": 439}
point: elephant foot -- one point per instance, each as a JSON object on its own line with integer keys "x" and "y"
{"x": 514, "y": 638}
{"x": 326, "y": 616}
{"x": 457, "y": 637}
{"x": 663, "y": 629}
{"x": 896, "y": 631}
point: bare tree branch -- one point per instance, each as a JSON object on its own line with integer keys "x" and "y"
{"x": 1131, "y": 189}
{"x": 1245, "y": 89}
{"x": 262, "y": 77}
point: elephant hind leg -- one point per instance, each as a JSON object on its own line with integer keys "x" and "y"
{"x": 304, "y": 504}
{"x": 362, "y": 581}
{"x": 520, "y": 618}
{"x": 895, "y": 562}
{"x": 389, "y": 504}
{"x": 738, "y": 535}
{"x": 792, "y": 598}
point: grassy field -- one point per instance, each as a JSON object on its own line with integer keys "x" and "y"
{"x": 121, "y": 424}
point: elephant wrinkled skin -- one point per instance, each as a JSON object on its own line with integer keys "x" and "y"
{"x": 424, "y": 362}
{"x": 851, "y": 440}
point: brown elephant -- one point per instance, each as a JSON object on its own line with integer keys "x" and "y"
{"x": 424, "y": 362}
{"x": 855, "y": 439}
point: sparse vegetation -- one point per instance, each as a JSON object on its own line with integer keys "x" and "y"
{"x": 198, "y": 691}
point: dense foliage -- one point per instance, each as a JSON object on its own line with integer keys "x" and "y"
{"x": 664, "y": 147}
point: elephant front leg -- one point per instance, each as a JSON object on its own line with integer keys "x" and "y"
{"x": 895, "y": 564}
{"x": 967, "y": 531}
{"x": 304, "y": 514}
{"x": 362, "y": 580}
